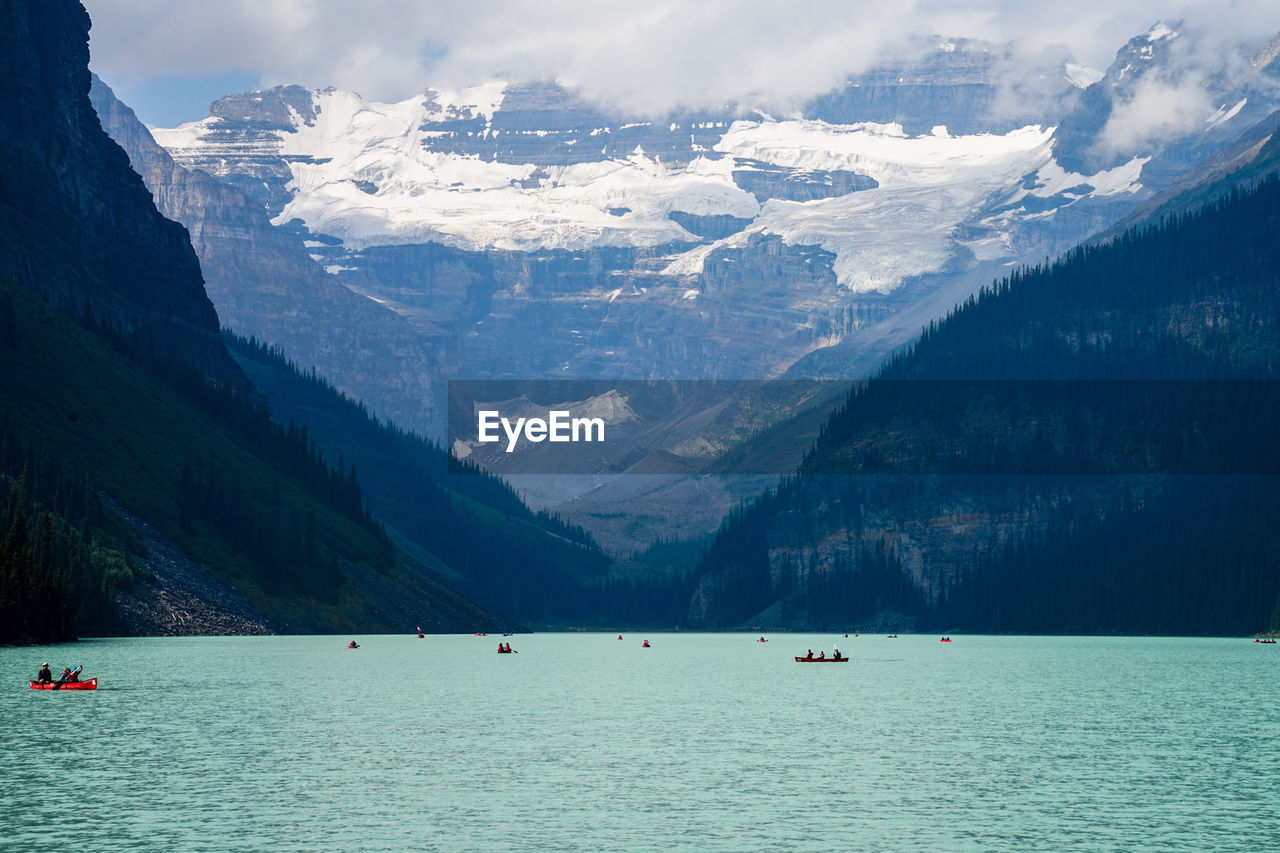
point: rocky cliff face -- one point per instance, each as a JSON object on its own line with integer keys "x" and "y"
{"x": 76, "y": 224}
{"x": 968, "y": 86}
{"x": 265, "y": 285}
{"x": 936, "y": 530}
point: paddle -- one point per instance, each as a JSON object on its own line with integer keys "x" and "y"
{"x": 58, "y": 684}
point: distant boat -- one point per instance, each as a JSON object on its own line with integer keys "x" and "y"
{"x": 91, "y": 684}
{"x": 822, "y": 660}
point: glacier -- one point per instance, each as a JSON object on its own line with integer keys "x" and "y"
{"x": 366, "y": 173}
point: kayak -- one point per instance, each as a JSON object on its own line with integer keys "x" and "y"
{"x": 822, "y": 660}
{"x": 91, "y": 684}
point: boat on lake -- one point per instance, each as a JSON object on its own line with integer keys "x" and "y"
{"x": 91, "y": 684}
{"x": 821, "y": 660}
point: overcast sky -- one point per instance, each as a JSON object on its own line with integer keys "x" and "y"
{"x": 170, "y": 58}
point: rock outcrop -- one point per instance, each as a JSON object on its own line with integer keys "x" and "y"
{"x": 76, "y": 224}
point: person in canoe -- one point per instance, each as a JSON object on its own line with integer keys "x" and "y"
{"x": 645, "y": 644}
{"x": 822, "y": 655}
{"x": 353, "y": 645}
{"x": 835, "y": 653}
{"x": 45, "y": 676}
{"x": 69, "y": 676}
{"x": 809, "y": 656}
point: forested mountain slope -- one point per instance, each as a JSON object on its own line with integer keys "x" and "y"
{"x": 1087, "y": 446}
{"x": 477, "y": 531}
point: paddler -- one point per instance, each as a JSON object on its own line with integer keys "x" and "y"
{"x": 66, "y": 676}
{"x": 45, "y": 676}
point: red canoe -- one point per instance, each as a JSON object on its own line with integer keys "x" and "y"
{"x": 822, "y": 660}
{"x": 91, "y": 684}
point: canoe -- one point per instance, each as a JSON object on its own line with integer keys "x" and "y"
{"x": 91, "y": 684}
{"x": 822, "y": 660}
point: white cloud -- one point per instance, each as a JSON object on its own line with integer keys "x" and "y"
{"x": 645, "y": 57}
{"x": 1156, "y": 110}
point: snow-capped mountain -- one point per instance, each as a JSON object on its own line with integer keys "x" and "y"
{"x": 553, "y": 238}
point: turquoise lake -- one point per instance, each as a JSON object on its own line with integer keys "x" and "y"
{"x": 702, "y": 742}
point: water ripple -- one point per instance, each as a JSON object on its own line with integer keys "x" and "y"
{"x": 703, "y": 742}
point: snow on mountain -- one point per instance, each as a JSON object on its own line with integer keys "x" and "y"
{"x": 927, "y": 187}
{"x": 1224, "y": 115}
{"x": 859, "y": 206}
{"x": 364, "y": 172}
{"x": 1082, "y": 76}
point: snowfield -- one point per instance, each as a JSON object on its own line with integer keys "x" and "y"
{"x": 365, "y": 172}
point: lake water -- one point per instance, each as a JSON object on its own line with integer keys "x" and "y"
{"x": 702, "y": 742}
